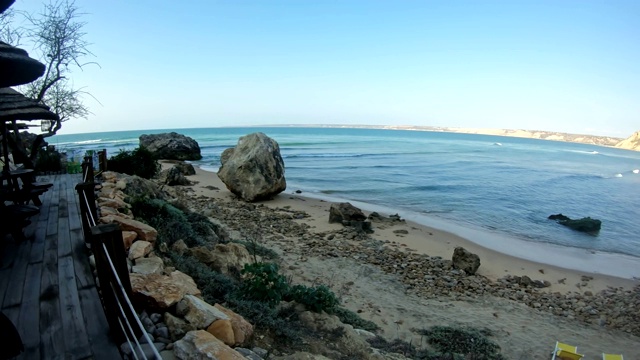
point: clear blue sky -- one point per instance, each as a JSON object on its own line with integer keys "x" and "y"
{"x": 570, "y": 66}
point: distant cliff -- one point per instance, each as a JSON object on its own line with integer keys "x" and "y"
{"x": 630, "y": 143}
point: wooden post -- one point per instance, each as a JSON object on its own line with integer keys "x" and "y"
{"x": 87, "y": 200}
{"x": 102, "y": 160}
{"x": 111, "y": 236}
{"x": 99, "y": 234}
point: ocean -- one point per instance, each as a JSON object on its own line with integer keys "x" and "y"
{"x": 497, "y": 191}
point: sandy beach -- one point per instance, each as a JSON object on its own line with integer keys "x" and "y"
{"x": 380, "y": 295}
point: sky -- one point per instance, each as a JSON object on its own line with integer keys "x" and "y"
{"x": 568, "y": 66}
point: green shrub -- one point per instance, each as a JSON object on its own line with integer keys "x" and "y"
{"x": 470, "y": 342}
{"x": 315, "y": 299}
{"x": 172, "y": 223}
{"x": 353, "y": 319}
{"x": 138, "y": 161}
{"x": 215, "y": 287}
{"x": 256, "y": 249}
{"x": 263, "y": 283}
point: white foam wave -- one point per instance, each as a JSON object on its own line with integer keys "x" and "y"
{"x": 618, "y": 175}
{"x": 88, "y": 141}
{"x": 497, "y": 144}
{"x": 636, "y": 171}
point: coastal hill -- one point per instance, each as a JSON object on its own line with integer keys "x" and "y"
{"x": 530, "y": 134}
{"x": 630, "y": 143}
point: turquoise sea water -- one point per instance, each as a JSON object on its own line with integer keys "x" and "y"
{"x": 501, "y": 185}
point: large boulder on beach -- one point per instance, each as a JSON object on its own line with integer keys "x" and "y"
{"x": 171, "y": 146}
{"x": 465, "y": 260}
{"x": 254, "y": 169}
{"x": 586, "y": 224}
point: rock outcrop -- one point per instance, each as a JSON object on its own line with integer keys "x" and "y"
{"x": 465, "y": 260}
{"x": 586, "y": 224}
{"x": 171, "y": 146}
{"x": 197, "y": 312}
{"x": 630, "y": 143}
{"x": 254, "y": 169}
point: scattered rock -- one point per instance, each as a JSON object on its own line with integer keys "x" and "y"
{"x": 144, "y": 231}
{"x": 242, "y": 329}
{"x": 140, "y": 249}
{"x": 197, "y": 312}
{"x": 464, "y": 260}
{"x": 177, "y": 327}
{"x": 155, "y": 291}
{"x": 128, "y": 237}
{"x": 223, "y": 331}
{"x": 201, "y": 345}
{"x": 144, "y": 266}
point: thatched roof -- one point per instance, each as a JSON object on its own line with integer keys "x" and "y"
{"x": 16, "y": 67}
{"x": 15, "y": 106}
{"x": 4, "y": 5}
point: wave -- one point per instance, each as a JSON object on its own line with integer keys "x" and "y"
{"x": 87, "y": 141}
{"x": 584, "y": 152}
{"x": 636, "y": 171}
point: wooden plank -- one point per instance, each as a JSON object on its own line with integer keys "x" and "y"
{"x": 52, "y": 337}
{"x": 37, "y": 246}
{"x": 29, "y": 320}
{"x": 84, "y": 273}
{"x": 13, "y": 295}
{"x": 52, "y": 221}
{"x": 97, "y": 327}
{"x": 73, "y": 325}
{"x": 5, "y": 275}
{"x": 74, "y": 210}
{"x": 64, "y": 238}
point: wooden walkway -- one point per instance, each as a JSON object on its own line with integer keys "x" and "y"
{"x": 46, "y": 286}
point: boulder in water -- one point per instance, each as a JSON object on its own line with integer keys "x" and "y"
{"x": 586, "y": 224}
{"x": 171, "y": 146}
{"x": 254, "y": 169}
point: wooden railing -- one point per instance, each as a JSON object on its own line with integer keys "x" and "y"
{"x": 108, "y": 249}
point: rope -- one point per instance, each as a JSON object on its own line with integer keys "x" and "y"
{"x": 124, "y": 294}
{"x": 93, "y": 221}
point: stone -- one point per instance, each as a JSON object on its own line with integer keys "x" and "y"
{"x": 586, "y": 224}
{"x": 300, "y": 355}
{"x": 464, "y": 260}
{"x": 185, "y": 282}
{"x": 242, "y": 329}
{"x": 223, "y": 331}
{"x": 230, "y": 258}
{"x": 254, "y": 170}
{"x": 128, "y": 237}
{"x": 174, "y": 176}
{"x": 199, "y": 313}
{"x": 340, "y": 212}
{"x": 177, "y": 326}
{"x": 155, "y": 291}
{"x": 248, "y": 354}
{"x": 167, "y": 355}
{"x": 112, "y": 203}
{"x": 201, "y": 345}
{"x": 179, "y": 247}
{"x": 144, "y": 231}
{"x": 140, "y": 249}
{"x": 171, "y": 146}
{"x": 203, "y": 254}
{"x": 161, "y": 332}
{"x": 152, "y": 265}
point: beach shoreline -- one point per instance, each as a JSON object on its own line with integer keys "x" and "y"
{"x": 437, "y": 242}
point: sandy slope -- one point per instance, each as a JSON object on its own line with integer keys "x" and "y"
{"x": 522, "y": 332}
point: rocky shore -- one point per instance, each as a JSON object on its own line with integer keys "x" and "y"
{"x": 381, "y": 277}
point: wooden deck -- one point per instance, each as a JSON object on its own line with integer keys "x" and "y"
{"x": 46, "y": 286}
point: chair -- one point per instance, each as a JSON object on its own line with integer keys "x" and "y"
{"x": 566, "y": 352}
{"x": 611, "y": 357}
